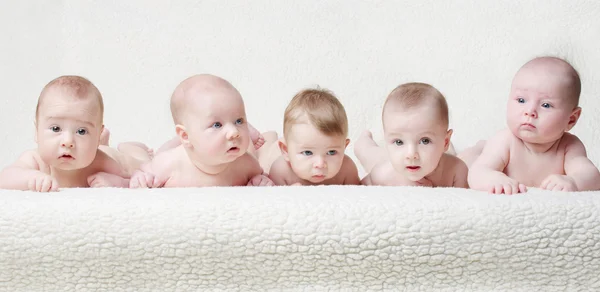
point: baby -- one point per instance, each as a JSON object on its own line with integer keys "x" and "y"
{"x": 210, "y": 121}
{"x": 256, "y": 138}
{"x": 415, "y": 127}
{"x": 69, "y": 134}
{"x": 315, "y": 131}
{"x": 536, "y": 150}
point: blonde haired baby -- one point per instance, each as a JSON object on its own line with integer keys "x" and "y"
{"x": 311, "y": 152}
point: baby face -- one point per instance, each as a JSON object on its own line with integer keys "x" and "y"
{"x": 314, "y": 156}
{"x": 539, "y": 107}
{"x": 415, "y": 140}
{"x": 68, "y": 131}
{"x": 217, "y": 129}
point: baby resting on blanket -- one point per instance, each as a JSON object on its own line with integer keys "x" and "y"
{"x": 536, "y": 150}
{"x": 69, "y": 133}
{"x": 415, "y": 127}
{"x": 311, "y": 151}
{"x": 210, "y": 121}
{"x": 213, "y": 145}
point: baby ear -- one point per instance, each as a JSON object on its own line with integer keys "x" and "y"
{"x": 447, "y": 140}
{"x": 101, "y": 131}
{"x": 573, "y": 118}
{"x": 183, "y": 135}
{"x": 347, "y": 142}
{"x": 283, "y": 148}
{"x": 35, "y": 131}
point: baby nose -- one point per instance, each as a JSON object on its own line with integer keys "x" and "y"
{"x": 531, "y": 113}
{"x": 411, "y": 153}
{"x": 319, "y": 162}
{"x": 234, "y": 134}
{"x": 68, "y": 142}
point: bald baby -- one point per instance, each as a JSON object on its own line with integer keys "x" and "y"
{"x": 210, "y": 123}
{"x": 536, "y": 149}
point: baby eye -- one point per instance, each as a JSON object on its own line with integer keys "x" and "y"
{"x": 82, "y": 131}
{"x": 520, "y": 100}
{"x": 546, "y": 105}
{"x": 307, "y": 153}
{"x": 398, "y": 142}
{"x": 239, "y": 121}
{"x": 332, "y": 152}
{"x": 217, "y": 125}
{"x": 425, "y": 141}
{"x": 55, "y": 129}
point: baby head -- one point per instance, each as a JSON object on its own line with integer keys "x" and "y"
{"x": 210, "y": 119}
{"x": 415, "y": 126}
{"x": 315, "y": 131}
{"x": 68, "y": 122}
{"x": 544, "y": 100}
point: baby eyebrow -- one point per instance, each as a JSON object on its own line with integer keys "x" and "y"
{"x": 51, "y": 119}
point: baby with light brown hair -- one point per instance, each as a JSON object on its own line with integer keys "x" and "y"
{"x": 210, "y": 122}
{"x": 536, "y": 149}
{"x": 415, "y": 127}
{"x": 69, "y": 134}
{"x": 311, "y": 152}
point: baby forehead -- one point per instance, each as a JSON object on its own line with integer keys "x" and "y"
{"x": 423, "y": 112}
{"x": 62, "y": 95}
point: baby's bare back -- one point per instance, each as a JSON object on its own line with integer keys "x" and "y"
{"x": 531, "y": 168}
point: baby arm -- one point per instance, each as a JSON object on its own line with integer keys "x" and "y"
{"x": 112, "y": 171}
{"x": 25, "y": 174}
{"x": 280, "y": 172}
{"x": 461, "y": 172}
{"x": 256, "y": 173}
{"x": 154, "y": 173}
{"x": 486, "y": 173}
{"x": 349, "y": 172}
{"x": 580, "y": 173}
{"x": 366, "y": 181}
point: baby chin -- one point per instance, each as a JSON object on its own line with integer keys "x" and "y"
{"x": 414, "y": 173}
{"x": 316, "y": 178}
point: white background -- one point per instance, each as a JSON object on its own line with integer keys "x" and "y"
{"x": 136, "y": 52}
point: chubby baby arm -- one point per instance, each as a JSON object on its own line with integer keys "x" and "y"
{"x": 580, "y": 173}
{"x": 461, "y": 172}
{"x": 256, "y": 173}
{"x": 25, "y": 174}
{"x": 280, "y": 172}
{"x": 349, "y": 172}
{"x": 112, "y": 171}
{"x": 154, "y": 173}
{"x": 486, "y": 173}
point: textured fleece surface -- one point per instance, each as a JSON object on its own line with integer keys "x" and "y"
{"x": 298, "y": 238}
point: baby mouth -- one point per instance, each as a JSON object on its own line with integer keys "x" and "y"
{"x": 413, "y": 168}
{"x": 233, "y": 150}
{"x": 66, "y": 156}
{"x": 528, "y": 125}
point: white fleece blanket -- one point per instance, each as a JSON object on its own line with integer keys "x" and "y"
{"x": 299, "y": 238}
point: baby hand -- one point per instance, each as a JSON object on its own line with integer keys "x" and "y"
{"x": 556, "y": 182}
{"x": 260, "y": 181}
{"x": 42, "y": 183}
{"x": 507, "y": 185}
{"x": 141, "y": 179}
{"x": 106, "y": 180}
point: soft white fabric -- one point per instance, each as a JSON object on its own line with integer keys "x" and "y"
{"x": 298, "y": 238}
